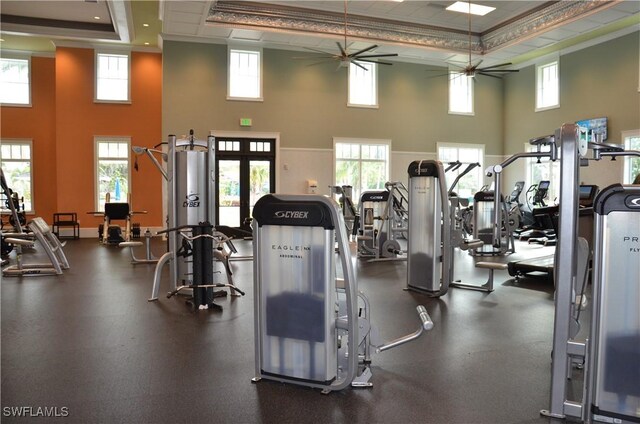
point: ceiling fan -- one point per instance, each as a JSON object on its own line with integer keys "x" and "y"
{"x": 345, "y": 58}
{"x": 471, "y": 70}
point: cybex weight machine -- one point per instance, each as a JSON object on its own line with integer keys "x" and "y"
{"x": 311, "y": 328}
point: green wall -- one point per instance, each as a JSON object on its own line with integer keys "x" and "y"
{"x": 594, "y": 82}
{"x": 307, "y": 105}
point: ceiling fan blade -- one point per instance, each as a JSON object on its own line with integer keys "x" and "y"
{"x": 498, "y": 70}
{"x": 363, "y": 50}
{"x": 489, "y": 75}
{"x": 359, "y": 65}
{"x": 435, "y": 70}
{"x": 319, "y": 63}
{"x": 497, "y": 66}
{"x": 312, "y": 57}
{"x": 477, "y": 64}
{"x": 374, "y": 55}
{"x": 437, "y": 76}
{"x": 371, "y": 61}
{"x": 317, "y": 50}
{"x": 342, "y": 49}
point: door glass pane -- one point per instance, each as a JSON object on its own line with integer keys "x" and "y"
{"x": 229, "y": 192}
{"x": 259, "y": 181}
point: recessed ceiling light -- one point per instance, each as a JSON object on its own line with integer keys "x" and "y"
{"x": 146, "y": 43}
{"x": 1, "y": 39}
{"x": 97, "y": 18}
{"x": 145, "y": 25}
{"x": 474, "y": 9}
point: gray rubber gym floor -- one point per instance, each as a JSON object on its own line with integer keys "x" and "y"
{"x": 90, "y": 342}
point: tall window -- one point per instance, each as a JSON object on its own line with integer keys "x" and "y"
{"x": 363, "y": 84}
{"x": 466, "y": 154}
{"x": 112, "y": 77}
{"x": 548, "y": 86}
{"x": 15, "y": 81}
{"x": 631, "y": 164}
{"x": 460, "y": 94}
{"x": 543, "y": 170}
{"x": 112, "y": 170}
{"x": 15, "y": 157}
{"x": 245, "y": 76}
{"x": 362, "y": 164}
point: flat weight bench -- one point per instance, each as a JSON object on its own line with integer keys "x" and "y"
{"x": 492, "y": 267}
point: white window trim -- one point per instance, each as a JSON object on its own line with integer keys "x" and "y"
{"x": 465, "y": 146}
{"x": 544, "y": 62}
{"x": 27, "y": 57}
{"x": 260, "y": 75}
{"x": 358, "y": 105}
{"x": 627, "y": 159}
{"x": 29, "y": 142}
{"x": 96, "y": 184}
{"x": 95, "y": 75}
{"x": 473, "y": 97}
{"x": 350, "y": 140}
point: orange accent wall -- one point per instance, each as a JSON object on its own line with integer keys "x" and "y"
{"x": 63, "y": 121}
{"x": 79, "y": 119}
{"x": 38, "y": 123}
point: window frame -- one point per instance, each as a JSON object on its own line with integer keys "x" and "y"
{"x": 362, "y": 142}
{"x": 96, "y": 55}
{"x": 539, "y": 86}
{"x": 28, "y": 142}
{"x": 257, "y": 50}
{"x": 627, "y": 178}
{"x": 96, "y": 161}
{"x": 374, "y": 85}
{"x": 470, "y": 94}
{"x": 459, "y": 146}
{"x": 19, "y": 56}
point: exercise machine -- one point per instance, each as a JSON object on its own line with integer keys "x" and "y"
{"x": 611, "y": 352}
{"x": 110, "y": 233}
{"x": 40, "y": 231}
{"x": 382, "y": 222}
{"x": 434, "y": 232}
{"x": 311, "y": 328}
{"x": 190, "y": 175}
{"x": 349, "y": 211}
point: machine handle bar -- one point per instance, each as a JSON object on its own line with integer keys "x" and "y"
{"x": 427, "y": 324}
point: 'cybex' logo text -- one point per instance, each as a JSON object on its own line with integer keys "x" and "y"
{"x": 292, "y": 214}
{"x": 191, "y": 201}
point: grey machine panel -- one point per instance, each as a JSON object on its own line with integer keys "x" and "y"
{"x": 424, "y": 251}
{"x": 295, "y": 289}
{"x": 615, "y": 338}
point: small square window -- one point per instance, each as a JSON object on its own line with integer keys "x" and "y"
{"x": 363, "y": 84}
{"x": 245, "y": 74}
{"x": 548, "y": 86}
{"x": 112, "y": 77}
{"x": 460, "y": 94}
{"x": 15, "y": 82}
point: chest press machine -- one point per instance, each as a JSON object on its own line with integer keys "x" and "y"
{"x": 311, "y": 328}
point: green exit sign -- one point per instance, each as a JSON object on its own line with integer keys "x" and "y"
{"x": 245, "y": 122}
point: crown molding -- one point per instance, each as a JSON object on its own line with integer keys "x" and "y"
{"x": 264, "y": 16}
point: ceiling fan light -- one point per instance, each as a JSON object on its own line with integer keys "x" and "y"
{"x": 474, "y": 9}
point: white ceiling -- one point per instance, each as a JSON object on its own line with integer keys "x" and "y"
{"x": 77, "y": 11}
{"x": 187, "y": 20}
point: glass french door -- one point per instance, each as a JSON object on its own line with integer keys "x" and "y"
{"x": 246, "y": 172}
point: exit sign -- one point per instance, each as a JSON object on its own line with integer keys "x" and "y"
{"x": 245, "y": 122}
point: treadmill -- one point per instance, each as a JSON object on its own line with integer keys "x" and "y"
{"x": 543, "y": 266}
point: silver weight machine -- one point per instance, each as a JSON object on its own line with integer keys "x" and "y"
{"x": 611, "y": 352}
{"x": 435, "y": 230}
{"x": 190, "y": 176}
{"x": 311, "y": 328}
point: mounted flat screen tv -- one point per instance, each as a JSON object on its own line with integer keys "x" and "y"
{"x": 593, "y": 129}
